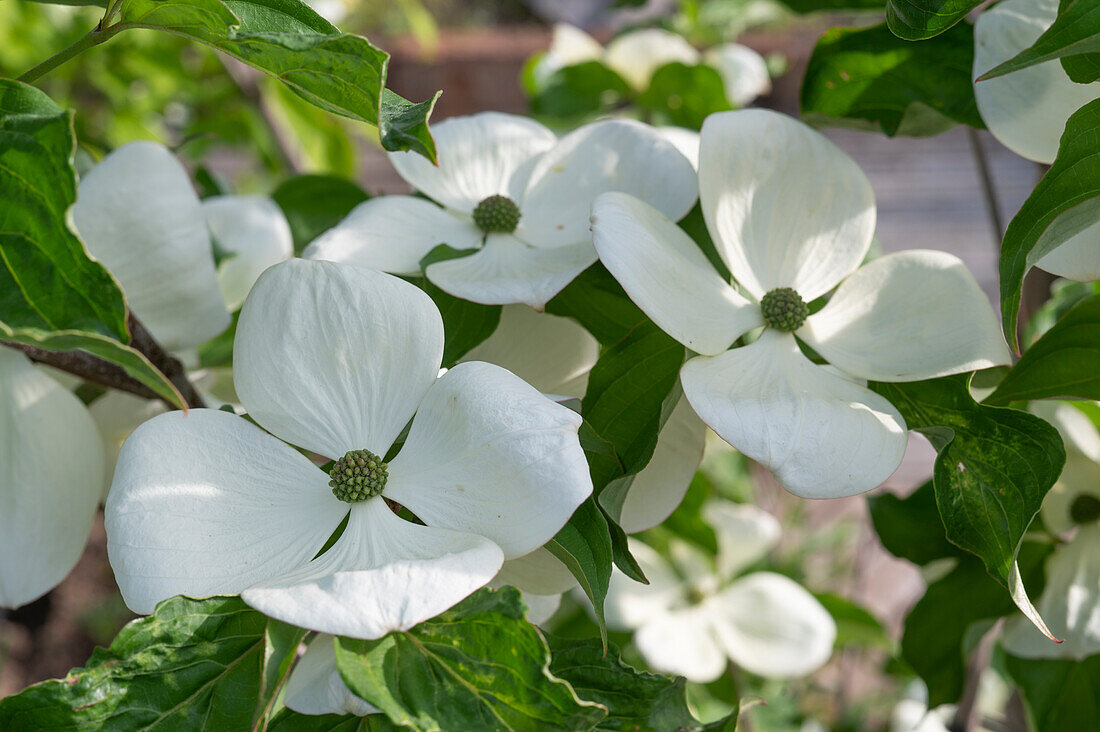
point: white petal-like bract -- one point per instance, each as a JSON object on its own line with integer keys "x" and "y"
{"x": 636, "y": 55}
{"x": 744, "y": 72}
{"x": 745, "y": 534}
{"x": 490, "y": 455}
{"x": 51, "y": 476}
{"x": 538, "y": 573}
{"x": 682, "y": 643}
{"x": 334, "y": 358}
{"x": 254, "y": 233}
{"x": 392, "y": 234}
{"x": 822, "y": 435}
{"x": 315, "y": 686}
{"x": 1077, "y": 258}
{"x": 138, "y": 214}
{"x": 908, "y": 316}
{"x": 784, "y": 205}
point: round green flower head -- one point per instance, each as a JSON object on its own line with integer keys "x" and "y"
{"x": 497, "y": 214}
{"x": 1085, "y": 509}
{"x": 783, "y": 309}
{"x": 357, "y": 476}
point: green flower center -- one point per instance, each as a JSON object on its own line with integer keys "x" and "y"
{"x": 1085, "y": 509}
{"x": 784, "y": 309}
{"x": 357, "y": 476}
{"x": 497, "y": 214}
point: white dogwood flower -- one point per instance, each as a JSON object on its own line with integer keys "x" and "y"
{"x": 509, "y": 188}
{"x": 1027, "y": 110}
{"x": 336, "y": 360}
{"x": 637, "y": 55}
{"x": 315, "y": 686}
{"x": 692, "y": 617}
{"x": 251, "y": 233}
{"x": 1080, "y": 478}
{"x": 51, "y": 474}
{"x": 792, "y": 217}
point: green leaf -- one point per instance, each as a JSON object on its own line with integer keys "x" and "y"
{"x": 313, "y": 204}
{"x": 917, "y": 20}
{"x": 869, "y": 78}
{"x": 581, "y": 90}
{"x": 339, "y": 72}
{"x": 993, "y": 469}
{"x": 637, "y": 701}
{"x": 465, "y": 324}
{"x": 855, "y": 627}
{"x": 1064, "y": 203}
{"x": 1063, "y": 364}
{"x": 189, "y": 662}
{"x": 933, "y": 643}
{"x": 478, "y": 666}
{"x": 1059, "y": 695}
{"x": 911, "y": 528}
{"x": 290, "y": 721}
{"x": 280, "y": 650}
{"x": 684, "y": 95}
{"x": 52, "y": 294}
{"x": 584, "y": 546}
{"x": 598, "y": 302}
{"x": 1073, "y": 34}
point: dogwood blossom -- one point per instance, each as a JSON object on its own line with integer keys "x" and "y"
{"x": 336, "y": 359}
{"x": 509, "y": 189}
{"x": 636, "y": 56}
{"x": 51, "y": 474}
{"x": 792, "y": 217}
{"x": 1027, "y": 110}
{"x": 691, "y": 618}
{"x": 315, "y": 686}
{"x": 251, "y": 233}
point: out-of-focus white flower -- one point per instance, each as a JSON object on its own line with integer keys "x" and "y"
{"x": 51, "y": 475}
{"x": 691, "y": 618}
{"x": 912, "y": 714}
{"x": 336, "y": 360}
{"x": 509, "y": 188}
{"x": 1081, "y": 474}
{"x": 792, "y": 217}
{"x": 252, "y": 233}
{"x": 1027, "y": 110}
{"x": 637, "y": 54}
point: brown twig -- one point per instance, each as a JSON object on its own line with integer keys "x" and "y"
{"x": 166, "y": 363}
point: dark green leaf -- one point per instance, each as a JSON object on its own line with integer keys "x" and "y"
{"x": 598, "y": 302}
{"x": 1073, "y": 37}
{"x": 936, "y": 627}
{"x": 478, "y": 666}
{"x": 465, "y": 324}
{"x": 313, "y": 204}
{"x": 911, "y": 528}
{"x": 289, "y": 721}
{"x": 339, "y": 72}
{"x": 280, "y": 650}
{"x": 637, "y": 701}
{"x": 1060, "y": 695}
{"x": 52, "y": 294}
{"x": 917, "y": 20}
{"x": 684, "y": 95}
{"x": 1065, "y": 202}
{"x": 584, "y": 546}
{"x": 189, "y": 662}
{"x": 993, "y": 468}
{"x": 581, "y": 90}
{"x": 1063, "y": 364}
{"x": 78, "y": 3}
{"x": 869, "y": 78}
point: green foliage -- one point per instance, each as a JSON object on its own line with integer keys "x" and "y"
{"x": 911, "y": 528}
{"x": 1066, "y": 201}
{"x": 313, "y": 204}
{"x": 684, "y": 95}
{"x": 855, "y": 626}
{"x": 1059, "y": 694}
{"x": 449, "y": 673}
{"x": 1063, "y": 364}
{"x": 465, "y": 323}
{"x": 636, "y": 701}
{"x": 917, "y": 20}
{"x": 993, "y": 468}
{"x": 936, "y": 629}
{"x": 52, "y": 294}
{"x": 290, "y": 721}
{"x": 339, "y": 72}
{"x": 869, "y": 78}
{"x": 189, "y": 662}
{"x": 578, "y": 91}
{"x": 584, "y": 546}
{"x": 1073, "y": 37}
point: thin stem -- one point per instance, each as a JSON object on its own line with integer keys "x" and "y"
{"x": 93, "y": 38}
{"x": 988, "y": 189}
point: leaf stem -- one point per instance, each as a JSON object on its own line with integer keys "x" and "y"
{"x": 94, "y": 37}
{"x": 988, "y": 189}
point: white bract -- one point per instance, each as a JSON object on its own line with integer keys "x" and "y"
{"x": 637, "y": 55}
{"x": 51, "y": 475}
{"x": 315, "y": 686}
{"x": 251, "y": 233}
{"x": 792, "y": 217}
{"x": 690, "y": 619}
{"x": 337, "y": 359}
{"x": 1027, "y": 110}
{"x": 1081, "y": 474}
{"x": 495, "y": 165}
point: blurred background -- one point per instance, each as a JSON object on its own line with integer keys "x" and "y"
{"x": 242, "y": 132}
